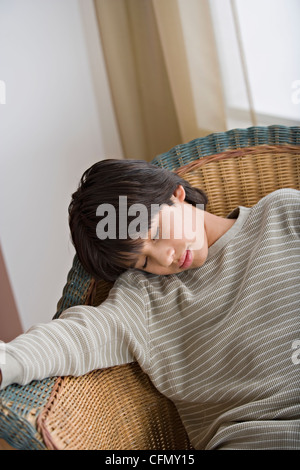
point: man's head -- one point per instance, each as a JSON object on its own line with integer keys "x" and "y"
{"x": 105, "y": 185}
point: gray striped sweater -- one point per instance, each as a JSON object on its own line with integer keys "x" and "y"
{"x": 221, "y": 341}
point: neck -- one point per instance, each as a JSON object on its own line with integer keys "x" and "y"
{"x": 216, "y": 227}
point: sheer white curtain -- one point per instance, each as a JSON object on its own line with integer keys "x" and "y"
{"x": 259, "y": 54}
{"x": 181, "y": 69}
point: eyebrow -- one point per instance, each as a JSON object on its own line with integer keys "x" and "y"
{"x": 156, "y": 234}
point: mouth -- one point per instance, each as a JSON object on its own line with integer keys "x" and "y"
{"x": 186, "y": 260}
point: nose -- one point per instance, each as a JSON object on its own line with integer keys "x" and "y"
{"x": 165, "y": 256}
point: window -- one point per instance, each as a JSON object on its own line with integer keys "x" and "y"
{"x": 258, "y": 44}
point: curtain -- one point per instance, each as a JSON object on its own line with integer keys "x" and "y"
{"x": 10, "y": 324}
{"x": 163, "y": 69}
{"x": 238, "y": 93}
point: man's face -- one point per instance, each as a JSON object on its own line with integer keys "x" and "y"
{"x": 177, "y": 240}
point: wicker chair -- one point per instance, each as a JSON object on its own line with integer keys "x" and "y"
{"x": 118, "y": 408}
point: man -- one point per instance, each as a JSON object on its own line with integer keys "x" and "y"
{"x": 208, "y": 306}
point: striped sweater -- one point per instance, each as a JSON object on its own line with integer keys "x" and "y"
{"x": 221, "y": 341}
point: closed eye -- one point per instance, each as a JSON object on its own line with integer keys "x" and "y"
{"x": 156, "y": 236}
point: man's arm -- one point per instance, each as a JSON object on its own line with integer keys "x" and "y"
{"x": 83, "y": 339}
{"x": 78, "y": 343}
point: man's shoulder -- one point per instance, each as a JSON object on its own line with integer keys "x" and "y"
{"x": 278, "y": 209}
{"x": 283, "y": 194}
{"x": 146, "y": 283}
{"x": 287, "y": 198}
{"x": 135, "y": 278}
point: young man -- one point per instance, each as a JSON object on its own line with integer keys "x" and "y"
{"x": 208, "y": 306}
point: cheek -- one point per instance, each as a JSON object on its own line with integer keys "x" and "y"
{"x": 200, "y": 254}
{"x": 191, "y": 222}
{"x": 197, "y": 231}
{"x": 176, "y": 226}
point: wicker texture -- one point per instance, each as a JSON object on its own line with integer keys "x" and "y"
{"x": 124, "y": 412}
{"x": 183, "y": 154}
{"x": 243, "y": 176}
{"x": 19, "y": 409}
{"x": 118, "y": 408}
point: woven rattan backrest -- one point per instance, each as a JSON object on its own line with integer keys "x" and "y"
{"x": 243, "y": 176}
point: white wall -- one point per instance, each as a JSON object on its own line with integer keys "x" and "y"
{"x": 54, "y": 125}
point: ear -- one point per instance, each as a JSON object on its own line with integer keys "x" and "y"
{"x": 179, "y": 194}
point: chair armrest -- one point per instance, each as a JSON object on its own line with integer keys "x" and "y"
{"x": 110, "y": 409}
{"x": 77, "y": 290}
{"x": 19, "y": 408}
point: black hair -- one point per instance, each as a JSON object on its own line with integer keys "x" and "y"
{"x": 103, "y": 183}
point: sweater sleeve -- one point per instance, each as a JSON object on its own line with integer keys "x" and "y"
{"x": 84, "y": 338}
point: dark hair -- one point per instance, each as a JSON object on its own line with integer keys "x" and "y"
{"x": 103, "y": 183}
